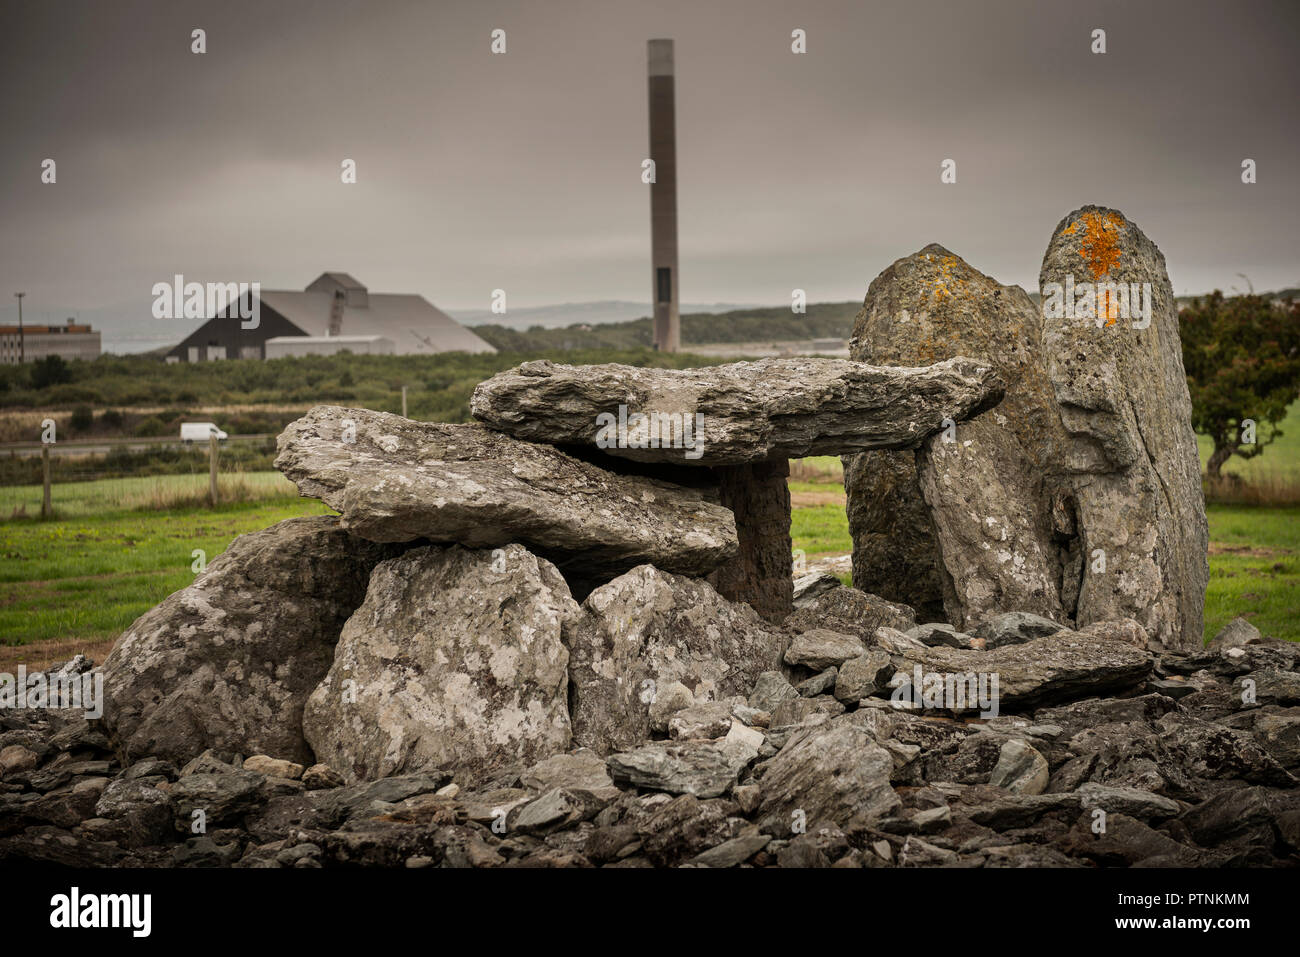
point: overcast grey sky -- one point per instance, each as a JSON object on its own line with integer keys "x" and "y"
{"x": 522, "y": 170}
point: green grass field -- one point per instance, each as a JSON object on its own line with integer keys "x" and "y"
{"x": 84, "y": 580}
{"x": 83, "y": 499}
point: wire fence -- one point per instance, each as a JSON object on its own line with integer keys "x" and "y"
{"x": 125, "y": 474}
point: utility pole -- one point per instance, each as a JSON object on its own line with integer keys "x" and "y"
{"x": 22, "y": 351}
{"x": 212, "y": 467}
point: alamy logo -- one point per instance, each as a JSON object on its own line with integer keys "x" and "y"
{"x": 84, "y": 692}
{"x": 948, "y": 691}
{"x": 652, "y": 430}
{"x": 1103, "y": 302}
{"x": 179, "y": 299}
{"x": 74, "y": 909}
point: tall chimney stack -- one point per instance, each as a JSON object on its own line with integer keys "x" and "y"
{"x": 663, "y": 196}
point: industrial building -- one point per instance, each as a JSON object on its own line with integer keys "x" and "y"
{"x": 29, "y": 343}
{"x": 334, "y": 314}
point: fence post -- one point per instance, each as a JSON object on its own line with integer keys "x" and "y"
{"x": 403, "y": 401}
{"x": 46, "y": 509}
{"x": 212, "y": 468}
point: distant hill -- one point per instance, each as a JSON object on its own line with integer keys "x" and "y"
{"x": 573, "y": 313}
{"x": 823, "y": 320}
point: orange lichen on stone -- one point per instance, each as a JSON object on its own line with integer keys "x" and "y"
{"x": 941, "y": 287}
{"x": 1100, "y": 244}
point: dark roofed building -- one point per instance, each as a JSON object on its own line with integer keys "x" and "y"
{"x": 335, "y": 305}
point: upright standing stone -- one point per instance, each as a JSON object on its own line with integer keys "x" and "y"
{"x": 759, "y": 496}
{"x": 1131, "y": 460}
{"x": 985, "y": 480}
{"x": 1079, "y": 497}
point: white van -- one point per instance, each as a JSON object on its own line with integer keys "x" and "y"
{"x": 200, "y": 431}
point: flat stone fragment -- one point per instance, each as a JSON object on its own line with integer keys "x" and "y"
{"x": 582, "y": 769}
{"x": 864, "y": 675}
{"x": 819, "y": 649}
{"x": 1131, "y": 801}
{"x": 1056, "y": 668}
{"x": 397, "y": 480}
{"x": 828, "y": 774}
{"x": 733, "y": 852}
{"x": 850, "y": 611}
{"x": 702, "y": 768}
{"x": 1020, "y": 769}
{"x": 748, "y": 411}
{"x": 1014, "y": 628}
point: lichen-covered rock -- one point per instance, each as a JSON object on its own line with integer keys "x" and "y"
{"x": 996, "y": 550}
{"x": 1121, "y": 391}
{"x": 1077, "y": 499}
{"x": 229, "y": 661}
{"x": 646, "y": 630}
{"x": 455, "y": 662}
{"x": 819, "y": 648}
{"x": 747, "y": 411}
{"x": 396, "y": 480}
{"x": 703, "y": 768}
{"x": 929, "y": 306}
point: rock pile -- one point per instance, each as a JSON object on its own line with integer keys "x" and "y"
{"x": 1103, "y": 753}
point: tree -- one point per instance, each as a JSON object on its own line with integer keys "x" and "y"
{"x": 51, "y": 370}
{"x": 1242, "y": 357}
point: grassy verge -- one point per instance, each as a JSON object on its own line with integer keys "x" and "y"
{"x": 149, "y": 493}
{"x": 1254, "y": 569}
{"x": 75, "y": 583}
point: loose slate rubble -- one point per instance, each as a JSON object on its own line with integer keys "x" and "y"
{"x": 870, "y": 786}
{"x": 396, "y": 480}
{"x": 229, "y": 661}
{"x": 748, "y": 411}
{"x": 1092, "y": 445}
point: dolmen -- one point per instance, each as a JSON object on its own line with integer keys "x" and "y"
{"x": 568, "y": 633}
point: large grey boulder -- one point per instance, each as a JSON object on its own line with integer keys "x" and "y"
{"x": 396, "y": 480}
{"x": 747, "y": 411}
{"x": 228, "y": 662}
{"x": 453, "y": 662}
{"x": 930, "y": 306}
{"x": 648, "y": 630}
{"x": 1078, "y": 499}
